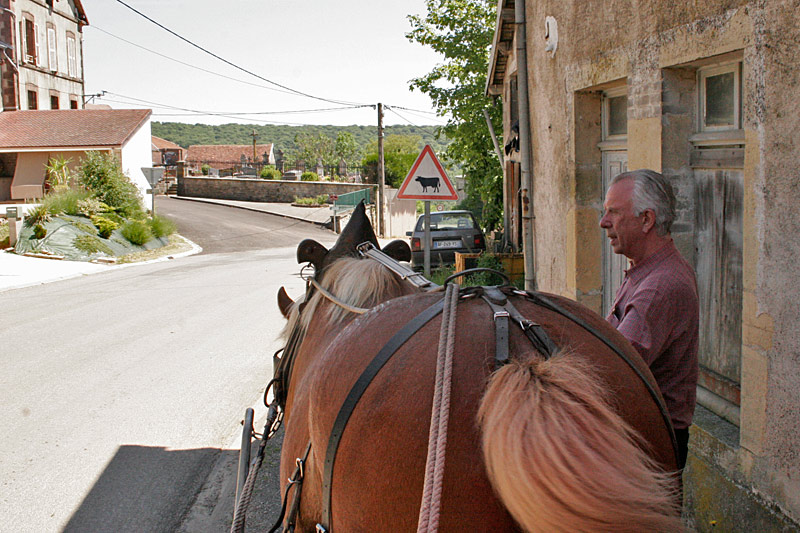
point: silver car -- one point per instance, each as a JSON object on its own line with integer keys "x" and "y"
{"x": 451, "y": 232}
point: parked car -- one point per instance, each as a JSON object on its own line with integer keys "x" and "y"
{"x": 451, "y": 232}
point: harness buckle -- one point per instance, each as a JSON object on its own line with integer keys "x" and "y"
{"x": 502, "y": 313}
{"x": 321, "y": 529}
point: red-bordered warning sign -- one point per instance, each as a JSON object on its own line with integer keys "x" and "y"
{"x": 427, "y": 180}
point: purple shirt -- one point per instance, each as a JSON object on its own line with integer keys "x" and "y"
{"x": 657, "y": 310}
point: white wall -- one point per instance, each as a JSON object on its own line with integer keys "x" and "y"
{"x": 136, "y": 153}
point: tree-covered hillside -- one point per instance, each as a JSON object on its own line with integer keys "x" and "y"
{"x": 283, "y": 137}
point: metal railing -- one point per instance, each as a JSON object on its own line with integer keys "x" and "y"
{"x": 351, "y": 199}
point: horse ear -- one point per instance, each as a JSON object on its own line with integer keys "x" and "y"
{"x": 398, "y": 250}
{"x": 310, "y": 251}
{"x": 357, "y": 230}
{"x": 284, "y": 302}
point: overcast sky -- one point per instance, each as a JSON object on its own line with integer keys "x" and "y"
{"x": 350, "y": 51}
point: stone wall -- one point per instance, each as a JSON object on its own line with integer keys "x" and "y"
{"x": 260, "y": 190}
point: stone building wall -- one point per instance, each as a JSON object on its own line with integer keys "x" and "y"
{"x": 259, "y": 190}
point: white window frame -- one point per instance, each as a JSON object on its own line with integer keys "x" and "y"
{"x": 702, "y": 75}
{"x": 52, "y": 50}
{"x": 72, "y": 63}
{"x": 41, "y": 41}
{"x": 606, "y": 112}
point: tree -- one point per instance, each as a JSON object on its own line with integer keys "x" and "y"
{"x": 314, "y": 147}
{"x": 462, "y": 31}
{"x": 399, "y": 153}
{"x": 346, "y": 147}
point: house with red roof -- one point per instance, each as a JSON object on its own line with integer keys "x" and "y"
{"x": 29, "y": 139}
{"x": 165, "y": 153}
{"x": 229, "y": 156}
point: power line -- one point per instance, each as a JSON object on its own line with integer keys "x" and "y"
{"x": 406, "y": 119}
{"x": 231, "y": 63}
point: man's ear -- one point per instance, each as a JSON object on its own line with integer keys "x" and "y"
{"x": 649, "y": 220}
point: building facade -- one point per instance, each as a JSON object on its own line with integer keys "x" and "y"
{"x": 41, "y": 54}
{"x": 705, "y": 93}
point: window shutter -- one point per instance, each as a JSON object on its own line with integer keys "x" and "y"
{"x": 23, "y": 48}
{"x": 38, "y": 35}
{"x": 51, "y": 48}
{"x": 71, "y": 63}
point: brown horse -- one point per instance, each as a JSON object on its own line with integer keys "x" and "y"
{"x": 575, "y": 442}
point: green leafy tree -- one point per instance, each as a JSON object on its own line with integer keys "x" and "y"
{"x": 346, "y": 147}
{"x": 314, "y": 147}
{"x": 462, "y": 31}
{"x": 102, "y": 175}
{"x": 399, "y": 153}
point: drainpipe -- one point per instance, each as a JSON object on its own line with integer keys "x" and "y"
{"x": 526, "y": 180}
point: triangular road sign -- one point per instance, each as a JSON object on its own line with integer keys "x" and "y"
{"x": 427, "y": 180}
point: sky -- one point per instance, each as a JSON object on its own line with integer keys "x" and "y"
{"x": 342, "y": 53}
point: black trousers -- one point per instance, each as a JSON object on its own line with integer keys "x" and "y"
{"x": 682, "y": 436}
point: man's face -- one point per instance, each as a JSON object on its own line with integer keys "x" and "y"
{"x": 623, "y": 228}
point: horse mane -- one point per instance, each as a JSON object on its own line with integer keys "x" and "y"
{"x": 357, "y": 282}
{"x": 561, "y": 458}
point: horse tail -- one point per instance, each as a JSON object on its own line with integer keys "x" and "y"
{"x": 561, "y": 459}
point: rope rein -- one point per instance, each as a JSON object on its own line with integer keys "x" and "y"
{"x": 440, "y": 414}
{"x": 334, "y": 299}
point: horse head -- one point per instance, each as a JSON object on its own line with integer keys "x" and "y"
{"x": 358, "y": 230}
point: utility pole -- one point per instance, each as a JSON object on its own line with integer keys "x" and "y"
{"x": 381, "y": 172}
{"x": 254, "y": 146}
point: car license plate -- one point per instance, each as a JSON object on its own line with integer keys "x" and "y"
{"x": 447, "y": 244}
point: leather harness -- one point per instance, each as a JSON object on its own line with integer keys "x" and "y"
{"x": 504, "y": 311}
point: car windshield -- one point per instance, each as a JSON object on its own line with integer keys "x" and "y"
{"x": 447, "y": 222}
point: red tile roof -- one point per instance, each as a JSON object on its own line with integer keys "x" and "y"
{"x": 163, "y": 144}
{"x": 224, "y": 154}
{"x": 64, "y": 128}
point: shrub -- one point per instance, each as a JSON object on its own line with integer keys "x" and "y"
{"x": 205, "y": 169}
{"x": 102, "y": 175}
{"x": 91, "y": 206}
{"x": 105, "y": 226}
{"x": 162, "y": 226}
{"x": 64, "y": 201}
{"x": 137, "y": 232}
{"x": 91, "y": 245}
{"x": 269, "y": 173}
{"x": 39, "y": 232}
{"x": 309, "y": 176}
{"x": 58, "y": 173}
{"x": 315, "y": 200}
{"x": 38, "y": 215}
{"x": 3, "y": 233}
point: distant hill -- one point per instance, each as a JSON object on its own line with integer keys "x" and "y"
{"x": 281, "y": 136}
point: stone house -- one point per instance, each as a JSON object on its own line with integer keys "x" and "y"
{"x": 41, "y": 54}
{"x": 29, "y": 139}
{"x": 231, "y": 157}
{"x": 165, "y": 153}
{"x": 706, "y": 93}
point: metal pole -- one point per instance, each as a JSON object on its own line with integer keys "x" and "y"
{"x": 381, "y": 172}
{"x": 526, "y": 181}
{"x": 427, "y": 244}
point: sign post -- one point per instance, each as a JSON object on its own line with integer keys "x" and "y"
{"x": 427, "y": 181}
{"x": 153, "y": 175}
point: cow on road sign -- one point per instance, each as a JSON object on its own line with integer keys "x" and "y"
{"x": 428, "y": 182}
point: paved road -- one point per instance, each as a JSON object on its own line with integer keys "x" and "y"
{"x": 122, "y": 390}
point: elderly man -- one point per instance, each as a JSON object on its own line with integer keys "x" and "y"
{"x": 656, "y": 306}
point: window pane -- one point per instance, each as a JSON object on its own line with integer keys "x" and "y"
{"x": 618, "y": 115}
{"x": 720, "y": 100}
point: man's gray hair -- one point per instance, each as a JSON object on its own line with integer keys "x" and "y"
{"x": 651, "y": 190}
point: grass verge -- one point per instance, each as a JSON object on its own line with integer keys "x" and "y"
{"x": 177, "y": 244}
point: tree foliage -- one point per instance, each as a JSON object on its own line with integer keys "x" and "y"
{"x": 462, "y": 31}
{"x": 399, "y": 153}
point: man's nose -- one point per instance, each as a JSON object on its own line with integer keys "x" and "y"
{"x": 604, "y": 223}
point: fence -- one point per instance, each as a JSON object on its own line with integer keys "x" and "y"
{"x": 351, "y": 199}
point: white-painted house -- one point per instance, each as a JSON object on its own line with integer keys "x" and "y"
{"x": 29, "y": 139}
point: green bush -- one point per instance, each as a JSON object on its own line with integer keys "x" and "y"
{"x": 39, "y": 232}
{"x": 38, "y": 215}
{"x": 3, "y": 233}
{"x": 309, "y": 176}
{"x": 205, "y": 169}
{"x": 105, "y": 226}
{"x": 161, "y": 226}
{"x": 270, "y": 173}
{"x": 58, "y": 173}
{"x": 102, "y": 175}
{"x": 314, "y": 200}
{"x": 91, "y": 206}
{"x": 65, "y": 201}
{"x": 137, "y": 232}
{"x": 91, "y": 245}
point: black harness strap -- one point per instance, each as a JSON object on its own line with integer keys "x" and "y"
{"x": 358, "y": 389}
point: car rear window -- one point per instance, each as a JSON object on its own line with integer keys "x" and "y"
{"x": 447, "y": 221}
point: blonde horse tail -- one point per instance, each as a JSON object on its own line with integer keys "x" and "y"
{"x": 561, "y": 459}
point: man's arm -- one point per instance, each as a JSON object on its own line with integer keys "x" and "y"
{"x": 647, "y": 323}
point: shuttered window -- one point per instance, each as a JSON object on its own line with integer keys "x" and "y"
{"x": 52, "y": 52}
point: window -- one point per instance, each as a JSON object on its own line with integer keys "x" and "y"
{"x": 615, "y": 113}
{"x": 52, "y": 53}
{"x": 32, "y": 100}
{"x": 41, "y": 43}
{"x": 54, "y": 102}
{"x": 72, "y": 66}
{"x": 720, "y": 97}
{"x": 73, "y": 104}
{"x": 27, "y": 32}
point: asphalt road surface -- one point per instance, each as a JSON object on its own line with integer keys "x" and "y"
{"x": 122, "y": 391}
